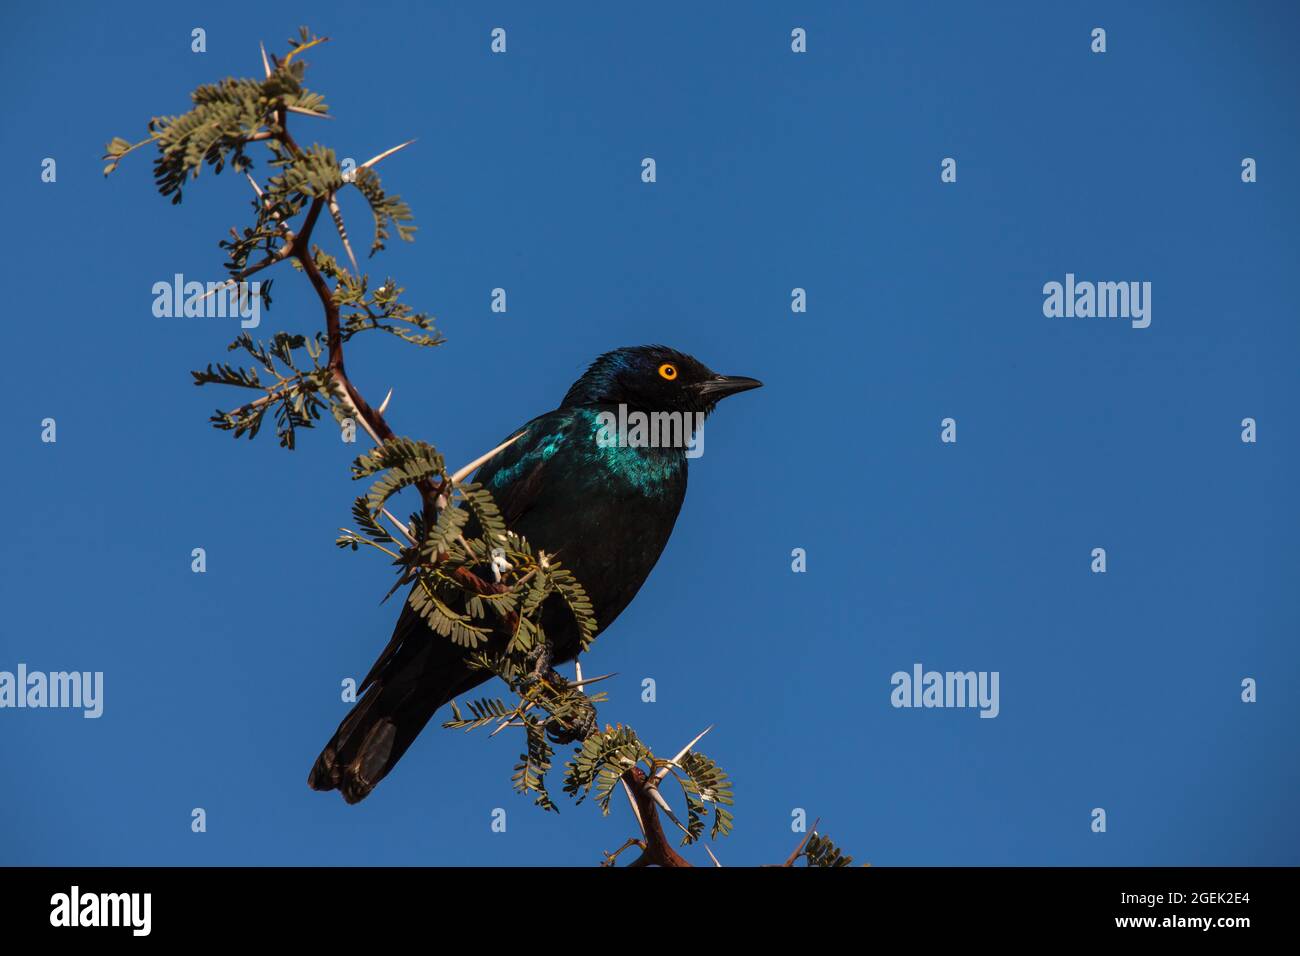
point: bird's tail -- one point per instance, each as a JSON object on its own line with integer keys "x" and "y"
{"x": 406, "y": 686}
{"x": 370, "y": 741}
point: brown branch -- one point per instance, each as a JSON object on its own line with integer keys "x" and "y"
{"x": 298, "y": 246}
{"x": 374, "y": 420}
{"x": 657, "y": 850}
{"x": 273, "y": 394}
{"x": 654, "y": 845}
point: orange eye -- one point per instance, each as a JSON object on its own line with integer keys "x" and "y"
{"x": 668, "y": 370}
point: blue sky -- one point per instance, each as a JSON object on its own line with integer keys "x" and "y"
{"x": 775, "y": 170}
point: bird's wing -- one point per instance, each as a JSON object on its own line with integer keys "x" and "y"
{"x": 516, "y": 476}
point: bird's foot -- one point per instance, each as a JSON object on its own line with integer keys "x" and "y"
{"x": 539, "y": 660}
{"x": 578, "y": 718}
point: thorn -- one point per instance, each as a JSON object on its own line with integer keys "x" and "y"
{"x": 658, "y": 798}
{"x": 229, "y": 283}
{"x": 384, "y": 155}
{"x": 463, "y": 473}
{"x": 663, "y": 771}
{"x": 674, "y": 818}
{"x": 802, "y": 843}
{"x": 337, "y": 216}
{"x": 278, "y": 256}
{"x": 636, "y": 811}
{"x": 307, "y": 112}
{"x": 592, "y": 680}
{"x": 384, "y": 404}
{"x": 711, "y": 856}
{"x": 266, "y": 64}
{"x": 577, "y": 672}
{"x": 253, "y": 182}
{"x": 401, "y": 527}
{"x": 223, "y": 287}
{"x": 355, "y": 414}
{"x": 510, "y": 717}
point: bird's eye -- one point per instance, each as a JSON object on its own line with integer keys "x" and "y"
{"x": 668, "y": 370}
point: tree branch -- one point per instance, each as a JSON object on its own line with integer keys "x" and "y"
{"x": 657, "y": 851}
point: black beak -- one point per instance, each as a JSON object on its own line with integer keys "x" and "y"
{"x": 720, "y": 386}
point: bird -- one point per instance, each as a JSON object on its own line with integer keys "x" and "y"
{"x": 604, "y": 503}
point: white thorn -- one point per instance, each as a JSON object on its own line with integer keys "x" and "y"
{"x": 658, "y": 798}
{"x": 591, "y": 680}
{"x": 228, "y": 284}
{"x": 384, "y": 404}
{"x": 636, "y": 811}
{"x": 385, "y": 154}
{"x": 266, "y": 64}
{"x": 355, "y": 414}
{"x": 469, "y": 469}
{"x": 306, "y": 112}
{"x": 711, "y": 856}
{"x": 401, "y": 527}
{"x": 678, "y": 822}
{"x": 510, "y": 717}
{"x": 663, "y": 771}
{"x": 337, "y": 215}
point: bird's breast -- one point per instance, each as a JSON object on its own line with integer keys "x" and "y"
{"x": 621, "y": 507}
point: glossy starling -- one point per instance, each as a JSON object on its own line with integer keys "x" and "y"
{"x": 604, "y": 508}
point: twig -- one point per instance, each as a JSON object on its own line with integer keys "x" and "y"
{"x": 284, "y": 252}
{"x": 611, "y": 858}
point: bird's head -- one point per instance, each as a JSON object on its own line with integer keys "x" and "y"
{"x": 654, "y": 378}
